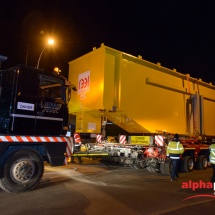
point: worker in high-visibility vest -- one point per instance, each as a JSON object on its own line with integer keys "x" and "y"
{"x": 174, "y": 151}
{"x": 212, "y": 161}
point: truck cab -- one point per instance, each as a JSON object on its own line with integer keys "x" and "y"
{"x": 33, "y": 120}
{"x": 32, "y": 102}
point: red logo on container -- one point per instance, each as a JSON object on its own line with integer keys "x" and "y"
{"x": 84, "y": 83}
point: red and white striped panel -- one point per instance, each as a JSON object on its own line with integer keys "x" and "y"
{"x": 32, "y": 139}
{"x": 122, "y": 139}
{"x": 69, "y": 149}
{"x": 77, "y": 138}
{"x": 159, "y": 140}
{"x": 98, "y": 138}
{"x": 43, "y": 139}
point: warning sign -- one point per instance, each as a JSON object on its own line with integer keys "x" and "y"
{"x": 145, "y": 140}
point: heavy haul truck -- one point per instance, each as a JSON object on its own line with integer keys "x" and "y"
{"x": 147, "y": 101}
{"x": 33, "y": 118}
{"x": 138, "y": 96}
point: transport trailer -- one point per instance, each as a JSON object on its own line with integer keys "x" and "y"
{"x": 142, "y": 98}
{"x": 138, "y": 96}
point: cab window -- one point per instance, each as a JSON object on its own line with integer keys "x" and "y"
{"x": 50, "y": 87}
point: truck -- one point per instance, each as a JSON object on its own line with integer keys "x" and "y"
{"x": 117, "y": 93}
{"x": 33, "y": 124}
{"x": 127, "y": 96}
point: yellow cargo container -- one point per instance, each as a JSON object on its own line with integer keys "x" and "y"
{"x": 137, "y": 95}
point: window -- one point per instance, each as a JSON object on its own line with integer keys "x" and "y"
{"x": 7, "y": 83}
{"x": 50, "y": 87}
{"x": 27, "y": 82}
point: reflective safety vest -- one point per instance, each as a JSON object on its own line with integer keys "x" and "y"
{"x": 174, "y": 149}
{"x": 212, "y": 153}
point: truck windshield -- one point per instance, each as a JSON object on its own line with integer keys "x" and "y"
{"x": 50, "y": 87}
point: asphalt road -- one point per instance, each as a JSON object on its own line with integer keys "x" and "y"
{"x": 95, "y": 188}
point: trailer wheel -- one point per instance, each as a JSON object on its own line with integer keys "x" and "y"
{"x": 202, "y": 162}
{"x": 154, "y": 166}
{"x": 139, "y": 164}
{"x": 162, "y": 168}
{"x": 187, "y": 164}
{"x": 21, "y": 171}
{"x": 168, "y": 166}
{"x": 152, "y": 169}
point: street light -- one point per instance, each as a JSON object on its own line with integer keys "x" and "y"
{"x": 50, "y": 42}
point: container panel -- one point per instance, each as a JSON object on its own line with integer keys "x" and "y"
{"x": 87, "y": 69}
{"x": 209, "y": 118}
{"x": 153, "y": 107}
{"x": 109, "y": 77}
{"x": 139, "y": 96}
{"x": 88, "y": 122}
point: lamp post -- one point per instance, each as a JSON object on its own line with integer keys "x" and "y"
{"x": 50, "y": 42}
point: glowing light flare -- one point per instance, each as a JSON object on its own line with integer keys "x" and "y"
{"x": 50, "y": 41}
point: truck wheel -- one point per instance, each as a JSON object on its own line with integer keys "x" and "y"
{"x": 168, "y": 167}
{"x": 150, "y": 169}
{"x": 162, "y": 168}
{"x": 138, "y": 164}
{"x": 187, "y": 164}
{"x": 21, "y": 171}
{"x": 202, "y": 162}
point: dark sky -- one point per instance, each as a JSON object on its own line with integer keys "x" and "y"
{"x": 177, "y": 33}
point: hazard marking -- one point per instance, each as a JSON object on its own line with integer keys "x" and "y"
{"x": 159, "y": 140}
{"x": 122, "y": 139}
{"x": 69, "y": 148}
{"x": 32, "y": 139}
{"x": 68, "y": 140}
{"x": 99, "y": 138}
{"x": 77, "y": 138}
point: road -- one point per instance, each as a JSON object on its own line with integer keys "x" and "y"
{"x": 95, "y": 188}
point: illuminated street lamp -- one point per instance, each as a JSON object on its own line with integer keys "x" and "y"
{"x": 50, "y": 42}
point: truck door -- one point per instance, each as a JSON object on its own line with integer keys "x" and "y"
{"x": 50, "y": 105}
{"x": 25, "y": 98}
{"x": 7, "y": 79}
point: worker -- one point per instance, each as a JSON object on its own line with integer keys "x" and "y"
{"x": 174, "y": 151}
{"x": 212, "y": 161}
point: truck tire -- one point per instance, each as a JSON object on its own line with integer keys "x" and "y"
{"x": 21, "y": 171}
{"x": 152, "y": 169}
{"x": 162, "y": 168}
{"x": 139, "y": 164}
{"x": 202, "y": 162}
{"x": 168, "y": 166}
{"x": 187, "y": 164}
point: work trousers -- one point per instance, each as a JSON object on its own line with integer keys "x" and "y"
{"x": 174, "y": 172}
{"x": 213, "y": 175}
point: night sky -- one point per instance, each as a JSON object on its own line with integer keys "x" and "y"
{"x": 178, "y": 34}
